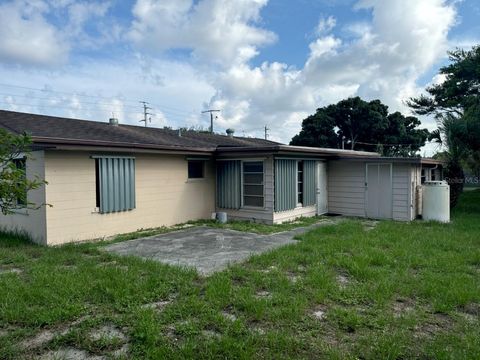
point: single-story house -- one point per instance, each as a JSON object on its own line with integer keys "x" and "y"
{"x": 108, "y": 178}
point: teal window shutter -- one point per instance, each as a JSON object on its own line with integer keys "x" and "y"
{"x": 116, "y": 183}
{"x": 309, "y": 183}
{"x": 229, "y": 184}
{"x": 285, "y": 184}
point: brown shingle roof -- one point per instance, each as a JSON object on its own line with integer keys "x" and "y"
{"x": 45, "y": 129}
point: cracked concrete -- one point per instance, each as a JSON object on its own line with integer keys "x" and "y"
{"x": 204, "y": 248}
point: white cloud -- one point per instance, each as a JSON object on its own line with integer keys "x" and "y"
{"x": 217, "y": 31}
{"x": 45, "y": 32}
{"x": 382, "y": 58}
{"x": 325, "y": 25}
{"x": 26, "y": 37}
{"x": 78, "y": 91}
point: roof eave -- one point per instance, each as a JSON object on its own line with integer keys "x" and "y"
{"x": 63, "y": 143}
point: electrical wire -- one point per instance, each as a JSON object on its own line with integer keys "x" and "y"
{"x": 169, "y": 109}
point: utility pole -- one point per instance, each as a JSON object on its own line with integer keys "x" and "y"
{"x": 211, "y": 111}
{"x": 146, "y": 113}
{"x": 266, "y": 132}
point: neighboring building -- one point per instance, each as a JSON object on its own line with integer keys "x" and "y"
{"x": 104, "y": 179}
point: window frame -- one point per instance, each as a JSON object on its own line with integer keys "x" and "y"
{"x": 242, "y": 182}
{"x": 297, "y": 182}
{"x": 20, "y": 204}
{"x": 202, "y": 162}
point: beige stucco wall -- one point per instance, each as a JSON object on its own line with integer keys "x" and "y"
{"x": 31, "y": 221}
{"x": 164, "y": 196}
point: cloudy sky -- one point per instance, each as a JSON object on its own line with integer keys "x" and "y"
{"x": 261, "y": 62}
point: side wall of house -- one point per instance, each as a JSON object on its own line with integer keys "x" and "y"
{"x": 265, "y": 214}
{"x": 346, "y": 187}
{"x": 164, "y": 196}
{"x": 31, "y": 221}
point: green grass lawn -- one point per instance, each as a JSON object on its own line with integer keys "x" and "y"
{"x": 397, "y": 291}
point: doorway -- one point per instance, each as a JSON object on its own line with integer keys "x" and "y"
{"x": 322, "y": 196}
{"x": 378, "y": 188}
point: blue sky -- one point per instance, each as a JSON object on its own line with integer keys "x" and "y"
{"x": 262, "y": 62}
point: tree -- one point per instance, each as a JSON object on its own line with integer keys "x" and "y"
{"x": 317, "y": 130}
{"x": 455, "y": 103}
{"x": 14, "y": 183}
{"x": 361, "y": 125}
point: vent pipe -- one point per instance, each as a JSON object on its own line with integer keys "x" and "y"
{"x": 230, "y": 132}
{"x": 113, "y": 121}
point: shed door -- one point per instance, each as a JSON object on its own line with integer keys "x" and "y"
{"x": 379, "y": 191}
{"x": 322, "y": 198}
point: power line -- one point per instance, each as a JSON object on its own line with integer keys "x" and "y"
{"x": 45, "y": 90}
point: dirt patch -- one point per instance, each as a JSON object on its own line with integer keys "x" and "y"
{"x": 69, "y": 354}
{"x": 159, "y": 305}
{"x": 211, "y": 334}
{"x": 438, "y": 324}
{"x": 270, "y": 269}
{"x": 402, "y": 307}
{"x": 39, "y": 340}
{"x": 6, "y": 270}
{"x": 263, "y": 294}
{"x": 471, "y": 312}
{"x": 229, "y": 316}
{"x": 292, "y": 277}
{"x": 369, "y": 225}
{"x": 302, "y": 268}
{"x": 258, "y": 330}
{"x": 108, "y": 332}
{"x": 122, "y": 352}
{"x": 472, "y": 309}
{"x": 343, "y": 280}
{"x": 319, "y": 312}
{"x": 172, "y": 334}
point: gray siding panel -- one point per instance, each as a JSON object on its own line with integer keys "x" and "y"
{"x": 401, "y": 192}
{"x": 346, "y": 188}
{"x": 309, "y": 183}
{"x": 229, "y": 184}
{"x": 285, "y": 184}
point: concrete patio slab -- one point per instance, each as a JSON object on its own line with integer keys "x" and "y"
{"x": 204, "y": 248}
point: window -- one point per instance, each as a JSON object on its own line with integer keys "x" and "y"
{"x": 253, "y": 184}
{"x": 423, "y": 176}
{"x": 300, "y": 182}
{"x": 196, "y": 169}
{"x": 21, "y": 165}
{"x": 114, "y": 183}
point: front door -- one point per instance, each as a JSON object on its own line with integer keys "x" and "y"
{"x": 379, "y": 191}
{"x": 322, "y": 196}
